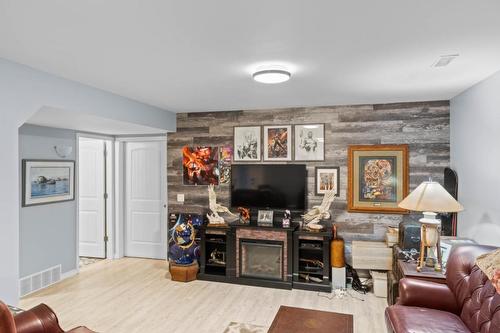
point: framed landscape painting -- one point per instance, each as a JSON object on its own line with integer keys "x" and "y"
{"x": 377, "y": 178}
{"x": 310, "y": 142}
{"x": 247, "y": 144}
{"x": 327, "y": 178}
{"x": 47, "y": 181}
{"x": 278, "y": 143}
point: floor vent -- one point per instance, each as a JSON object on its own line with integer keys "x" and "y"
{"x": 40, "y": 280}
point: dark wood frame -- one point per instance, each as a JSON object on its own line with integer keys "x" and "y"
{"x": 291, "y": 139}
{"x": 350, "y": 186}
{"x": 261, "y": 146}
{"x": 23, "y": 182}
{"x": 294, "y": 146}
{"x": 316, "y": 179}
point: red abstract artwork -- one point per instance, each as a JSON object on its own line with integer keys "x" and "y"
{"x": 200, "y": 165}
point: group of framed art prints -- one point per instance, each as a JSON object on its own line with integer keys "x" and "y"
{"x": 377, "y": 175}
{"x": 279, "y": 143}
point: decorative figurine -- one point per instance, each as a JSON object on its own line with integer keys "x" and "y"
{"x": 318, "y": 213}
{"x": 217, "y": 257}
{"x": 213, "y": 217}
{"x": 244, "y": 215}
{"x": 183, "y": 249}
{"x": 287, "y": 216}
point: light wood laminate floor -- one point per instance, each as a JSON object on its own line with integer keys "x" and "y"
{"x": 134, "y": 295}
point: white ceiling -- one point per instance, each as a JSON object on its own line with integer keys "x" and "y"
{"x": 53, "y": 117}
{"x": 198, "y": 55}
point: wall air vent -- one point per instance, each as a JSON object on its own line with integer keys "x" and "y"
{"x": 444, "y": 60}
{"x": 39, "y": 280}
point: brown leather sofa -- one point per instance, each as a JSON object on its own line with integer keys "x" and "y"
{"x": 468, "y": 302}
{"x": 40, "y": 319}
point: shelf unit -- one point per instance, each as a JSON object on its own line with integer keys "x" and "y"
{"x": 214, "y": 239}
{"x": 310, "y": 249}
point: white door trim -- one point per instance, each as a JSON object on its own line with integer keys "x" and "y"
{"x": 141, "y": 138}
{"x": 120, "y": 214}
{"x": 110, "y": 217}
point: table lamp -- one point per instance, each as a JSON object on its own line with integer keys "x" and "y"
{"x": 430, "y": 198}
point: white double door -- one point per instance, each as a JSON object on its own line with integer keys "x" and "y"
{"x": 92, "y": 202}
{"x": 145, "y": 205}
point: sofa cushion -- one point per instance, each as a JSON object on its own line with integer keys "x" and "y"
{"x": 411, "y": 319}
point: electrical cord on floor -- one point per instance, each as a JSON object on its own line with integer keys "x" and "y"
{"x": 334, "y": 295}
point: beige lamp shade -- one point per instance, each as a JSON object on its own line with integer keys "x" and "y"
{"x": 431, "y": 197}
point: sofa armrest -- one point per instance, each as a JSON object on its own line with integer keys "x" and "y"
{"x": 426, "y": 294}
{"x": 40, "y": 319}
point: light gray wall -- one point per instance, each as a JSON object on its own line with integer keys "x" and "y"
{"x": 475, "y": 155}
{"x": 47, "y": 233}
{"x": 23, "y": 91}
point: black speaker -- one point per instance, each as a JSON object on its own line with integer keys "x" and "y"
{"x": 449, "y": 221}
{"x": 409, "y": 236}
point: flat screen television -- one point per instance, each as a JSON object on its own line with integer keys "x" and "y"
{"x": 276, "y": 186}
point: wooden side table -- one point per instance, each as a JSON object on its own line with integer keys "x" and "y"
{"x": 409, "y": 270}
{"x": 405, "y": 269}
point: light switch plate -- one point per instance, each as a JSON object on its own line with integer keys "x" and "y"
{"x": 180, "y": 197}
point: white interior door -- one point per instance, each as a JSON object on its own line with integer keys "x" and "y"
{"x": 145, "y": 183}
{"x": 91, "y": 198}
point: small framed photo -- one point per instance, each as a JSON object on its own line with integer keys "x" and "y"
{"x": 310, "y": 142}
{"x": 48, "y": 181}
{"x": 265, "y": 217}
{"x": 327, "y": 178}
{"x": 247, "y": 144}
{"x": 445, "y": 253}
{"x": 278, "y": 143}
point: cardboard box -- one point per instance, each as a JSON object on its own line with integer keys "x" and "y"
{"x": 379, "y": 283}
{"x": 371, "y": 255}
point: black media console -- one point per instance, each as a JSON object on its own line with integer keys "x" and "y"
{"x": 273, "y": 256}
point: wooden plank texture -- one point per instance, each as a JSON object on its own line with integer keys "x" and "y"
{"x": 425, "y": 126}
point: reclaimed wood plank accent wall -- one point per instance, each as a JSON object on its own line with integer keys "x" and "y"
{"x": 425, "y": 126}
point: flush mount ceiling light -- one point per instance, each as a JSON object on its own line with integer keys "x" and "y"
{"x": 272, "y": 75}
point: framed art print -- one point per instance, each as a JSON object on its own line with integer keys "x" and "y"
{"x": 200, "y": 165}
{"x": 225, "y": 156}
{"x": 310, "y": 142}
{"x": 265, "y": 217}
{"x": 377, "y": 178}
{"x": 247, "y": 144}
{"x": 327, "y": 178}
{"x": 277, "y": 143}
{"x": 47, "y": 181}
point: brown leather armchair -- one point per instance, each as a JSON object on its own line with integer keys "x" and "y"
{"x": 40, "y": 319}
{"x": 467, "y": 303}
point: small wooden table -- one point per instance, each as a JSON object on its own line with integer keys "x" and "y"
{"x": 409, "y": 270}
{"x": 297, "y": 320}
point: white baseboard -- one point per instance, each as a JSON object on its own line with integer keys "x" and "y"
{"x": 69, "y": 274}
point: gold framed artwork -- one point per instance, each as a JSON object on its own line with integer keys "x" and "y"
{"x": 377, "y": 178}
